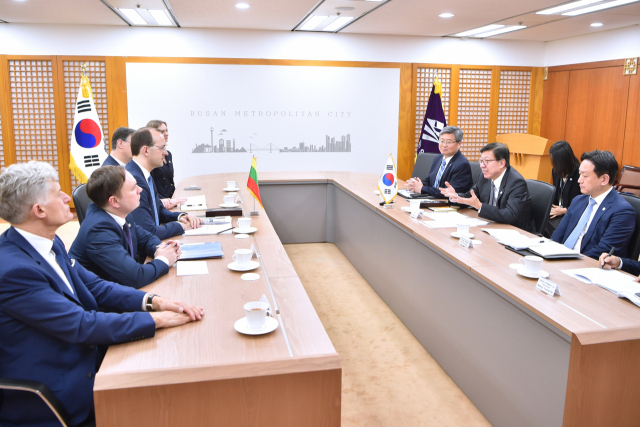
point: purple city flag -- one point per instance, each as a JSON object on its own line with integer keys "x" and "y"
{"x": 434, "y": 121}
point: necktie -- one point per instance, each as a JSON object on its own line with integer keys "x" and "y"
{"x": 153, "y": 198}
{"x": 127, "y": 234}
{"x": 575, "y": 234}
{"x": 440, "y": 172}
{"x": 492, "y": 196}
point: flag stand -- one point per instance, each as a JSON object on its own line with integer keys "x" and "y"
{"x": 254, "y": 212}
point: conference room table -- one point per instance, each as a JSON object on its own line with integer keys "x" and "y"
{"x": 523, "y": 358}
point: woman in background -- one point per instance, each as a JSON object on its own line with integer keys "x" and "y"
{"x": 565, "y": 176}
{"x": 163, "y": 176}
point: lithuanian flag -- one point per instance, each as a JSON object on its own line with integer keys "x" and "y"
{"x": 252, "y": 183}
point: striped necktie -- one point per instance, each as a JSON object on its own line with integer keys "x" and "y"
{"x": 440, "y": 173}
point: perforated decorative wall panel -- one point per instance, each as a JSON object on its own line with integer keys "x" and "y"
{"x": 474, "y": 97}
{"x": 96, "y": 71}
{"x": 34, "y": 121}
{"x": 513, "y": 105}
{"x": 424, "y": 83}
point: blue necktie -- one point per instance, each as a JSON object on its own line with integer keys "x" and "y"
{"x": 573, "y": 238}
{"x": 153, "y": 198}
{"x": 127, "y": 235}
{"x": 440, "y": 172}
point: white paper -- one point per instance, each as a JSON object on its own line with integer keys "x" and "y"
{"x": 194, "y": 203}
{"x": 209, "y": 229}
{"x": 548, "y": 287}
{"x": 611, "y": 280}
{"x": 192, "y": 268}
{"x": 465, "y": 242}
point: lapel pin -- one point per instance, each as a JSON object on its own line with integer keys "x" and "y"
{"x": 603, "y": 209}
{"x": 73, "y": 262}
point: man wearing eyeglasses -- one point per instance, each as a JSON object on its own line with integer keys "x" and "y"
{"x": 449, "y": 166}
{"x": 149, "y": 148}
{"x": 501, "y": 193}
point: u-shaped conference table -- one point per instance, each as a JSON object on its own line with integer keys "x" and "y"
{"x": 522, "y": 357}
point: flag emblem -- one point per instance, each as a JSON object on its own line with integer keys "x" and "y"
{"x": 252, "y": 182}
{"x": 387, "y": 179}
{"x": 388, "y": 184}
{"x": 434, "y": 121}
{"x": 87, "y": 133}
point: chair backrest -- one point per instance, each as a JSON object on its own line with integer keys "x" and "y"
{"x": 629, "y": 180}
{"x": 541, "y": 200}
{"x": 475, "y": 171}
{"x": 423, "y": 165}
{"x": 81, "y": 201}
{"x": 634, "y": 243}
{"x": 41, "y": 391}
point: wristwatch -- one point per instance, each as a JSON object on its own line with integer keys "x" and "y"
{"x": 148, "y": 305}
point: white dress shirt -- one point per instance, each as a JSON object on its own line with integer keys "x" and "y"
{"x": 117, "y": 160}
{"x": 121, "y": 222}
{"x": 44, "y": 247}
{"x": 599, "y": 201}
{"x": 496, "y": 189}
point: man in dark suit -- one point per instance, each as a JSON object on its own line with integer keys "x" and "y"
{"x": 501, "y": 193}
{"x": 631, "y": 266}
{"x": 53, "y": 312}
{"x": 449, "y": 166}
{"x": 120, "y": 148}
{"x": 149, "y": 148}
{"x": 109, "y": 242}
{"x": 599, "y": 218}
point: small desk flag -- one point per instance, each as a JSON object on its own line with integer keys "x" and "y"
{"x": 388, "y": 182}
{"x": 252, "y": 183}
{"x": 87, "y": 139}
{"x": 434, "y": 121}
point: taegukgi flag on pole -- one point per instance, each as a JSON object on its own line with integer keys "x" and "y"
{"x": 87, "y": 139}
{"x": 252, "y": 182}
{"x": 434, "y": 121}
{"x": 388, "y": 182}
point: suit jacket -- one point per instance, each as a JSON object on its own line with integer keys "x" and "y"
{"x": 612, "y": 225}
{"x": 102, "y": 248}
{"x": 163, "y": 178}
{"x": 110, "y": 161}
{"x": 631, "y": 266}
{"x": 571, "y": 188}
{"x": 50, "y": 334}
{"x": 143, "y": 214}
{"x": 457, "y": 173}
{"x": 514, "y": 201}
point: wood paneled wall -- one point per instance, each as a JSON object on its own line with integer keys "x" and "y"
{"x": 594, "y": 106}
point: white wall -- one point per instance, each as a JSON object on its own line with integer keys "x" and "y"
{"x": 607, "y": 45}
{"x": 25, "y": 39}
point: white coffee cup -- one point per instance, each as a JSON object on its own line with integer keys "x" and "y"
{"x": 532, "y": 264}
{"x": 231, "y": 184}
{"x": 414, "y": 206}
{"x": 242, "y": 257}
{"x": 462, "y": 226}
{"x": 228, "y": 199}
{"x": 244, "y": 223}
{"x": 256, "y": 314}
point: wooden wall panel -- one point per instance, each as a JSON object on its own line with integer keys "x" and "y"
{"x": 597, "y": 110}
{"x": 405, "y": 124}
{"x": 554, "y": 105}
{"x": 631, "y": 152}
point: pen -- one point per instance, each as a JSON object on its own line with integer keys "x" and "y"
{"x": 608, "y": 255}
{"x": 224, "y": 230}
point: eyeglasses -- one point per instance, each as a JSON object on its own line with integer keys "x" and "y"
{"x": 486, "y": 162}
{"x": 447, "y": 142}
{"x": 160, "y": 147}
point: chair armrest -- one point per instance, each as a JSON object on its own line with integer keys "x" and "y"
{"x": 623, "y": 186}
{"x": 41, "y": 390}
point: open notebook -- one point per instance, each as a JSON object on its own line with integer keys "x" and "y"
{"x": 614, "y": 281}
{"x": 517, "y": 242}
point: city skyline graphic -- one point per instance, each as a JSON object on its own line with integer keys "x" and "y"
{"x": 331, "y": 145}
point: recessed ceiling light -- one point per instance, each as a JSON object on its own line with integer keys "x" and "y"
{"x": 344, "y": 8}
{"x": 599, "y": 7}
{"x": 338, "y": 23}
{"x": 567, "y": 6}
{"x": 133, "y": 16}
{"x": 242, "y": 6}
{"x": 597, "y": 24}
{"x": 161, "y": 17}
{"x": 479, "y": 30}
{"x": 501, "y": 31}
{"x": 446, "y": 15}
{"x": 313, "y": 22}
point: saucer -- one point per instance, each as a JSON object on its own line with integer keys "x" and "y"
{"x": 229, "y": 205}
{"x": 243, "y": 327}
{"x": 457, "y": 235}
{"x": 242, "y": 236}
{"x": 521, "y": 271}
{"x": 245, "y": 230}
{"x": 231, "y": 189}
{"x": 252, "y": 266}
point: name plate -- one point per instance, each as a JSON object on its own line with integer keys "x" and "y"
{"x": 465, "y": 242}
{"x": 548, "y": 287}
{"x": 416, "y": 215}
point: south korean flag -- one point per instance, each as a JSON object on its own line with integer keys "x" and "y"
{"x": 87, "y": 140}
{"x": 388, "y": 182}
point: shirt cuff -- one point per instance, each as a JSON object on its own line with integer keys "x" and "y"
{"x": 144, "y": 300}
{"x": 181, "y": 215}
{"x": 163, "y": 259}
{"x": 620, "y": 266}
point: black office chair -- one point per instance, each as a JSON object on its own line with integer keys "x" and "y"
{"x": 42, "y": 391}
{"x": 634, "y": 243}
{"x": 475, "y": 171}
{"x": 423, "y": 165}
{"x": 541, "y": 200}
{"x": 81, "y": 201}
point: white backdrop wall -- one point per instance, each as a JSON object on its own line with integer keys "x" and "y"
{"x": 24, "y": 39}
{"x": 291, "y": 117}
